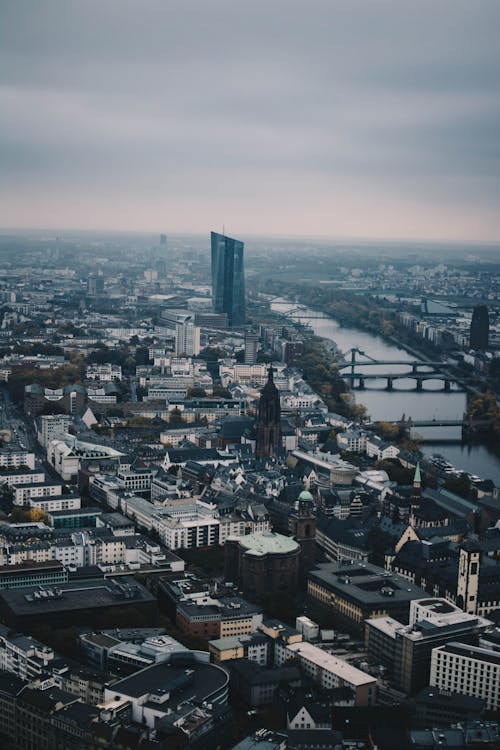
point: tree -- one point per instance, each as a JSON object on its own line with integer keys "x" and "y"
{"x": 459, "y": 485}
{"x": 212, "y": 354}
{"x": 175, "y": 417}
{"x": 27, "y": 515}
{"x": 219, "y": 392}
{"x": 197, "y": 392}
{"x": 388, "y": 431}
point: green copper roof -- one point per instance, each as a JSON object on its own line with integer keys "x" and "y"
{"x": 416, "y": 477}
{"x": 306, "y": 495}
{"x": 269, "y": 542}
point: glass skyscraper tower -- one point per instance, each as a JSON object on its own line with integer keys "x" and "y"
{"x": 228, "y": 278}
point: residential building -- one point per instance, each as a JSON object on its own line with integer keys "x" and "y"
{"x": 187, "y": 339}
{"x": 251, "y": 347}
{"x": 332, "y": 672}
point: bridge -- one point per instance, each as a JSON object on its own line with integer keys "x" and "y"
{"x": 358, "y": 379}
{"x": 298, "y": 312}
{"x": 470, "y": 428}
{"x": 413, "y": 363}
{"x": 434, "y": 371}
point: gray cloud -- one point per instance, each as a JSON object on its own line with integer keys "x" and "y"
{"x": 352, "y": 117}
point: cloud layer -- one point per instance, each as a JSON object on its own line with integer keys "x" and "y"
{"x": 371, "y": 118}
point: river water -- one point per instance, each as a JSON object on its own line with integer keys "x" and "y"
{"x": 432, "y": 403}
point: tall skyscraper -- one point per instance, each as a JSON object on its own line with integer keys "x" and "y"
{"x": 268, "y": 427}
{"x": 228, "y": 278}
{"x": 479, "y": 328}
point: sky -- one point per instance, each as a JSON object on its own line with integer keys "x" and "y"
{"x": 335, "y": 118}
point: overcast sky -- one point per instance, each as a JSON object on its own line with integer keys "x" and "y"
{"x": 354, "y": 118}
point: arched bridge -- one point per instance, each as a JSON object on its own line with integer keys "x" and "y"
{"x": 359, "y": 379}
{"x": 434, "y": 370}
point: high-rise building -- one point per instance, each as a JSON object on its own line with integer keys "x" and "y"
{"x": 251, "y": 347}
{"x": 95, "y": 285}
{"x": 228, "y": 278}
{"x": 187, "y": 339}
{"x": 268, "y": 427}
{"x": 479, "y": 328}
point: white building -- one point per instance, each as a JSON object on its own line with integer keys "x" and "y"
{"x": 24, "y": 494}
{"x": 187, "y": 339}
{"x": 20, "y": 476}
{"x": 136, "y": 480}
{"x": 378, "y": 448}
{"x": 331, "y": 672}
{"x": 23, "y": 656}
{"x": 352, "y": 440}
{"x": 104, "y": 373}
{"x": 56, "y": 502}
{"x": 65, "y": 455}
{"x": 52, "y": 427}
{"x": 469, "y": 670}
{"x": 14, "y": 458}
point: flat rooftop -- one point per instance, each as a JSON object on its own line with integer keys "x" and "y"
{"x": 193, "y": 680}
{"x": 472, "y": 652}
{"x": 78, "y": 595}
{"x": 330, "y": 663}
{"x": 365, "y": 584}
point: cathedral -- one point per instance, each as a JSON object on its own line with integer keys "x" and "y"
{"x": 268, "y": 425}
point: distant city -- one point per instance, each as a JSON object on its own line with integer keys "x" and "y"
{"x": 249, "y": 493}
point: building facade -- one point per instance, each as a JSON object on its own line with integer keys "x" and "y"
{"x": 228, "y": 278}
{"x": 268, "y": 427}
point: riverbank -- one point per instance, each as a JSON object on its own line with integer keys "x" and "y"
{"x": 383, "y": 405}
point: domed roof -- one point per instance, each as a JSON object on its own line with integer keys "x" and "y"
{"x": 306, "y": 496}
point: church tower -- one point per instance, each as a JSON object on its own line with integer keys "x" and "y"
{"x": 303, "y": 528}
{"x": 469, "y": 565}
{"x": 268, "y": 427}
{"x": 416, "y": 495}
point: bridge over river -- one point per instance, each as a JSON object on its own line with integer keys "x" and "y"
{"x": 434, "y": 370}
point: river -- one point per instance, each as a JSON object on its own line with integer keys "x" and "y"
{"x": 432, "y": 403}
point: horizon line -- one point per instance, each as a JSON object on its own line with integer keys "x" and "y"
{"x": 303, "y": 237}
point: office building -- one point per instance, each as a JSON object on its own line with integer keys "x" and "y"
{"x": 95, "y": 285}
{"x": 292, "y": 352}
{"x": 406, "y": 651}
{"x": 187, "y": 340}
{"x": 251, "y": 347}
{"x": 228, "y": 278}
{"x": 469, "y": 670}
{"x": 352, "y": 592}
{"x": 479, "y": 328}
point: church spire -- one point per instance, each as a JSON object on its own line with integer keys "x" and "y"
{"x": 268, "y": 426}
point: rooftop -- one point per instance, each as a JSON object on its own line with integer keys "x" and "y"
{"x": 268, "y": 542}
{"x": 329, "y": 663}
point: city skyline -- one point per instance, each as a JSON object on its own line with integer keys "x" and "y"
{"x": 372, "y": 120}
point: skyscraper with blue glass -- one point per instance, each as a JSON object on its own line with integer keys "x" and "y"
{"x": 228, "y": 278}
